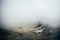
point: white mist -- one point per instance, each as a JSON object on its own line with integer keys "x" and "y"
{"x": 24, "y": 12}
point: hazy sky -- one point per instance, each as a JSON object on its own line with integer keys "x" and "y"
{"x": 27, "y": 11}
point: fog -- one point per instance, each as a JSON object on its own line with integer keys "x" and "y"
{"x": 30, "y": 11}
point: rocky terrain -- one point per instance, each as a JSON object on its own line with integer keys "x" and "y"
{"x": 31, "y": 35}
{"x": 46, "y": 34}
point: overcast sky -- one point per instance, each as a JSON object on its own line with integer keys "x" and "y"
{"x": 27, "y": 11}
